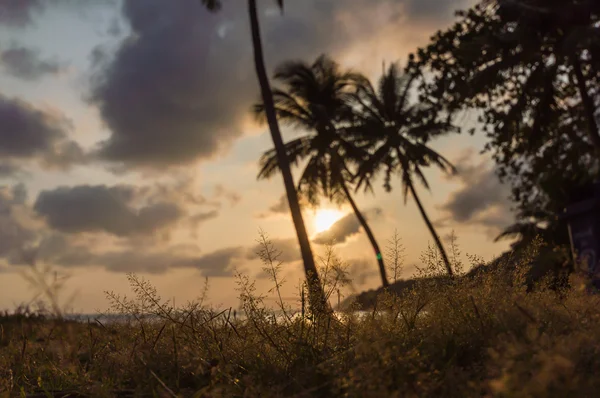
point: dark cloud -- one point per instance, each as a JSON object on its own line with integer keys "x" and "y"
{"x": 27, "y": 133}
{"x": 19, "y": 13}
{"x": 217, "y": 263}
{"x": 482, "y": 200}
{"x": 180, "y": 86}
{"x": 103, "y": 209}
{"x": 162, "y": 96}
{"x": 25, "y": 63}
{"x": 57, "y": 249}
{"x": 344, "y": 228}
{"x": 9, "y": 169}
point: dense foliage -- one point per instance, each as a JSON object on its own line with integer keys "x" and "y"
{"x": 530, "y": 70}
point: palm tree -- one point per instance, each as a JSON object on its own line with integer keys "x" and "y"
{"x": 317, "y": 296}
{"x": 396, "y": 133}
{"x": 318, "y": 98}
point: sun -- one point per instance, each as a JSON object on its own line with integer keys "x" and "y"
{"x": 325, "y": 218}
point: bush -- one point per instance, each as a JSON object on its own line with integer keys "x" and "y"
{"x": 482, "y": 335}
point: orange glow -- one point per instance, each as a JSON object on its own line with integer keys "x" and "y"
{"x": 325, "y": 218}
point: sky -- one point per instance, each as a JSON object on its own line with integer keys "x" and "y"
{"x": 127, "y": 145}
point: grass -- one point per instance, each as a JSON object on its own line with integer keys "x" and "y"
{"x": 487, "y": 334}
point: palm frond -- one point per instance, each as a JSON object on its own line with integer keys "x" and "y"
{"x": 520, "y": 230}
{"x": 368, "y": 169}
{"x": 314, "y": 180}
{"x": 419, "y": 173}
{"x": 295, "y": 150}
{"x": 432, "y": 156}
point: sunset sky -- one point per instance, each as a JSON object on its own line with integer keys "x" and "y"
{"x": 126, "y": 145}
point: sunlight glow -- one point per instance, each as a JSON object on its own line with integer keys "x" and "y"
{"x": 325, "y": 218}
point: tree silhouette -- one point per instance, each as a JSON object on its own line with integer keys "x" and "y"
{"x": 396, "y": 133}
{"x": 531, "y": 71}
{"x": 316, "y": 292}
{"x": 318, "y": 98}
{"x": 317, "y": 297}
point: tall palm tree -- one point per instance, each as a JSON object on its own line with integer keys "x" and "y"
{"x": 317, "y": 296}
{"x": 396, "y": 132}
{"x": 318, "y": 98}
{"x": 310, "y": 268}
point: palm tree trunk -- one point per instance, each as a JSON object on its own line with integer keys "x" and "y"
{"x": 317, "y": 296}
{"x": 363, "y": 223}
{"x": 438, "y": 242}
{"x": 588, "y": 104}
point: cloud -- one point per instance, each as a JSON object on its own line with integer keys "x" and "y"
{"x": 101, "y": 208}
{"x": 62, "y": 250}
{"x": 114, "y": 29}
{"x": 281, "y": 207}
{"x": 16, "y": 230}
{"x": 362, "y": 270}
{"x": 28, "y": 133}
{"x": 482, "y": 200}
{"x": 25, "y": 63}
{"x": 58, "y": 249}
{"x": 201, "y": 217}
{"x": 289, "y": 249}
{"x": 180, "y": 87}
{"x": 164, "y": 96}
{"x": 221, "y": 192}
{"x": 9, "y": 169}
{"x": 22, "y": 13}
{"x": 344, "y": 228}
{"x": 217, "y": 263}
{"x": 19, "y": 13}
{"x": 114, "y": 227}
{"x": 214, "y": 264}
{"x": 61, "y": 242}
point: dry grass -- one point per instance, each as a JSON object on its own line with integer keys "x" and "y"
{"x": 479, "y": 336}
